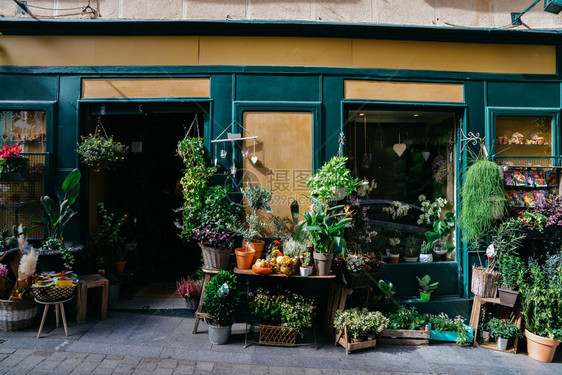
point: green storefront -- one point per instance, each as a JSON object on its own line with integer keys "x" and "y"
{"x": 396, "y": 94}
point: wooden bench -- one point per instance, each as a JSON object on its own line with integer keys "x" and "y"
{"x": 87, "y": 282}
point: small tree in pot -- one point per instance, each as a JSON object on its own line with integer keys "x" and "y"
{"x": 221, "y": 301}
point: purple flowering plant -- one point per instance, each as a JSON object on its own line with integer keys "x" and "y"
{"x": 207, "y": 235}
{"x": 551, "y": 207}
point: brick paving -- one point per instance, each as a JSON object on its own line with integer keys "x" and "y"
{"x": 133, "y": 343}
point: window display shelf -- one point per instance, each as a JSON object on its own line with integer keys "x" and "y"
{"x": 532, "y": 162}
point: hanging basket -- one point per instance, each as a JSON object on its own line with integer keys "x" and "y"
{"x": 277, "y": 335}
{"x": 215, "y": 259}
{"x": 484, "y": 284}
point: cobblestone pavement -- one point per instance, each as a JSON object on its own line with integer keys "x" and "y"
{"x": 133, "y": 343}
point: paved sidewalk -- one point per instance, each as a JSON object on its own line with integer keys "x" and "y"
{"x": 136, "y": 343}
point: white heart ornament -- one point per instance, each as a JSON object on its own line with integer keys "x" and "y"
{"x": 399, "y": 148}
{"x": 425, "y": 155}
{"x": 254, "y": 159}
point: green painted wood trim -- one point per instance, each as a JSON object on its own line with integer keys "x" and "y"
{"x": 18, "y": 26}
{"x": 208, "y": 70}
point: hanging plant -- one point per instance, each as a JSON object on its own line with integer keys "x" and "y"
{"x": 482, "y": 199}
{"x": 194, "y": 181}
{"x": 100, "y": 151}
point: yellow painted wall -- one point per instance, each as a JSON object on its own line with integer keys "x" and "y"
{"x": 278, "y": 51}
{"x": 145, "y": 87}
{"x": 413, "y": 91}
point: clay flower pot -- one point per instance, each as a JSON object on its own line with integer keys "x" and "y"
{"x": 540, "y": 348}
{"x": 244, "y": 257}
{"x": 257, "y": 246}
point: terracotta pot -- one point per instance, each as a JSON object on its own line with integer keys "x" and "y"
{"x": 257, "y": 246}
{"x": 323, "y": 263}
{"x": 120, "y": 266}
{"x": 540, "y": 348}
{"x": 394, "y": 258}
{"x": 244, "y": 257}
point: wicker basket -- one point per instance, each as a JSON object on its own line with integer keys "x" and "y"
{"x": 484, "y": 284}
{"x": 53, "y": 293}
{"x": 17, "y": 314}
{"x": 215, "y": 259}
{"x": 276, "y": 335}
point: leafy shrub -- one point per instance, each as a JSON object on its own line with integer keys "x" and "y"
{"x": 222, "y": 297}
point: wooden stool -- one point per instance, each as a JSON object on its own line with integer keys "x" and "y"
{"x": 59, "y": 306}
{"x": 200, "y": 314}
{"x": 87, "y": 282}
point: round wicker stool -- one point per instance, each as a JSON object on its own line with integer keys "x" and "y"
{"x": 59, "y": 306}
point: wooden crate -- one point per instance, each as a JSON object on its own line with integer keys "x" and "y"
{"x": 344, "y": 340}
{"x": 404, "y": 337}
{"x": 276, "y": 335}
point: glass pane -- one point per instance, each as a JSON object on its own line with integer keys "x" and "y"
{"x": 527, "y": 138}
{"x": 27, "y": 129}
{"x": 408, "y": 154}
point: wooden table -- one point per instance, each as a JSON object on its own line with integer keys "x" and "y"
{"x": 87, "y": 282}
{"x": 59, "y": 308}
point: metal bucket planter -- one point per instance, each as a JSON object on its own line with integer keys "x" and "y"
{"x": 219, "y": 335}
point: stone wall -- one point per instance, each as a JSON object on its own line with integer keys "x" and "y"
{"x": 444, "y": 13}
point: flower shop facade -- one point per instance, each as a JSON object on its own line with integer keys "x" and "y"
{"x": 404, "y": 104}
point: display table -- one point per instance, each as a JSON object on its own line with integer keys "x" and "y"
{"x": 277, "y": 276}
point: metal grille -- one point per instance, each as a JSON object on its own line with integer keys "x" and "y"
{"x": 16, "y": 197}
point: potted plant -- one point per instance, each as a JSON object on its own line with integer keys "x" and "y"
{"x": 426, "y": 255}
{"x": 502, "y": 330}
{"x": 505, "y": 239}
{"x": 13, "y": 165}
{"x": 100, "y": 151}
{"x": 406, "y": 327}
{"x": 393, "y": 253}
{"x": 282, "y": 315}
{"x": 357, "y": 325}
{"x": 541, "y": 302}
{"x": 221, "y": 300}
{"x": 56, "y": 215}
{"x": 190, "y": 290}
{"x": 333, "y": 181}
{"x": 257, "y": 198}
{"x": 7, "y": 241}
{"x": 326, "y": 226}
{"x": 357, "y": 270}
{"x": 305, "y": 266}
{"x": 215, "y": 245}
{"x": 510, "y": 267}
{"x": 443, "y": 328}
{"x": 426, "y": 287}
{"x": 109, "y": 241}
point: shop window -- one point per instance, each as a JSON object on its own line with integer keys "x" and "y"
{"x": 409, "y": 154}
{"x": 524, "y": 148}
{"x": 27, "y": 130}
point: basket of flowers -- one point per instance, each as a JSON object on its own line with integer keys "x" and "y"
{"x": 357, "y": 270}
{"x": 282, "y": 315}
{"x": 52, "y": 287}
{"x": 13, "y": 165}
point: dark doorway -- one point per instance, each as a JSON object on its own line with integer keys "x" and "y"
{"x": 147, "y": 188}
